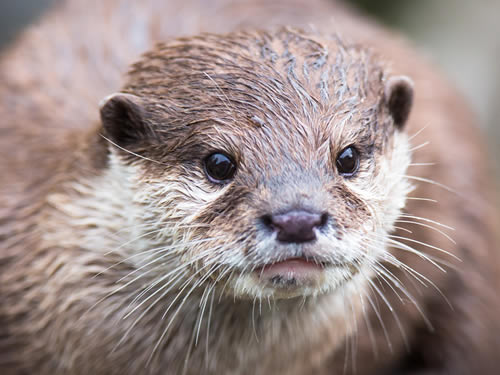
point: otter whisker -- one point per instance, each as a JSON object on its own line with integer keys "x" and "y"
{"x": 152, "y": 285}
{"x": 163, "y": 249}
{"x": 157, "y": 235}
{"x": 405, "y": 215}
{"x": 185, "y": 367}
{"x": 131, "y": 152}
{"x": 177, "y": 223}
{"x": 403, "y": 229}
{"x": 389, "y": 277}
{"x": 201, "y": 311}
{"x": 114, "y": 292}
{"x": 376, "y": 310}
{"x": 391, "y": 309}
{"x": 253, "y": 319}
{"x": 421, "y": 164}
{"x": 171, "y": 282}
{"x": 390, "y": 258}
{"x": 155, "y": 251}
{"x": 129, "y": 228}
{"x": 194, "y": 286}
{"x": 426, "y": 245}
{"x": 156, "y": 259}
{"x": 411, "y": 137}
{"x": 204, "y": 299}
{"x": 422, "y": 199}
{"x": 430, "y": 259}
{"x": 209, "y": 321}
{"x": 426, "y": 226}
{"x": 382, "y": 276}
{"x": 354, "y": 337}
{"x": 231, "y": 274}
{"x": 226, "y": 102}
{"x": 233, "y": 271}
{"x": 422, "y": 145}
{"x": 348, "y": 338}
{"x": 182, "y": 267}
{"x": 369, "y": 327}
{"x": 174, "y": 315}
{"x": 422, "y": 279}
{"x": 432, "y": 182}
{"x": 131, "y": 241}
{"x": 402, "y": 246}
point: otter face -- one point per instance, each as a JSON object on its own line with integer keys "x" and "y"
{"x": 267, "y": 169}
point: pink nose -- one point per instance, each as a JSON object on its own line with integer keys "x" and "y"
{"x": 295, "y": 226}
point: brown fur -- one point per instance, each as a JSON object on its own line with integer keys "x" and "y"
{"x": 69, "y": 199}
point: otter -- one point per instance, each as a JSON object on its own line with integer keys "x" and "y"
{"x": 273, "y": 188}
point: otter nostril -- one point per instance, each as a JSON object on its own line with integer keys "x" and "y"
{"x": 324, "y": 220}
{"x": 267, "y": 220}
{"x": 295, "y": 226}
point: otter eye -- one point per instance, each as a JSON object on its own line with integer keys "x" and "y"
{"x": 219, "y": 167}
{"x": 347, "y": 161}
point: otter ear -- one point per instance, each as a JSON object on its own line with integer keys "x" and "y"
{"x": 123, "y": 119}
{"x": 399, "y": 99}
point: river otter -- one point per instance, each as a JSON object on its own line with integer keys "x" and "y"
{"x": 257, "y": 199}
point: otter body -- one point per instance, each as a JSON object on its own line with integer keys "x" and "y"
{"x": 250, "y": 198}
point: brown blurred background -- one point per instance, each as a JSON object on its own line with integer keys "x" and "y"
{"x": 461, "y": 36}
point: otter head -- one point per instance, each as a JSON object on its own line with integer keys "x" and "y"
{"x": 265, "y": 164}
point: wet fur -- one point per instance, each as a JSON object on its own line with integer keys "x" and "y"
{"x": 91, "y": 230}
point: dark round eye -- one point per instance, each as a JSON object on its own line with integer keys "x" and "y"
{"x": 347, "y": 161}
{"x": 219, "y": 167}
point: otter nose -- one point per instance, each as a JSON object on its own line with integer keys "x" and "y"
{"x": 295, "y": 226}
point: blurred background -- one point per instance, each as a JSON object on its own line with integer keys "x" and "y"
{"x": 460, "y": 36}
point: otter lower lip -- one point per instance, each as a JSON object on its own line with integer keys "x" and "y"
{"x": 290, "y": 269}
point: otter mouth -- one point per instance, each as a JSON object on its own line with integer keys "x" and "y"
{"x": 292, "y": 272}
